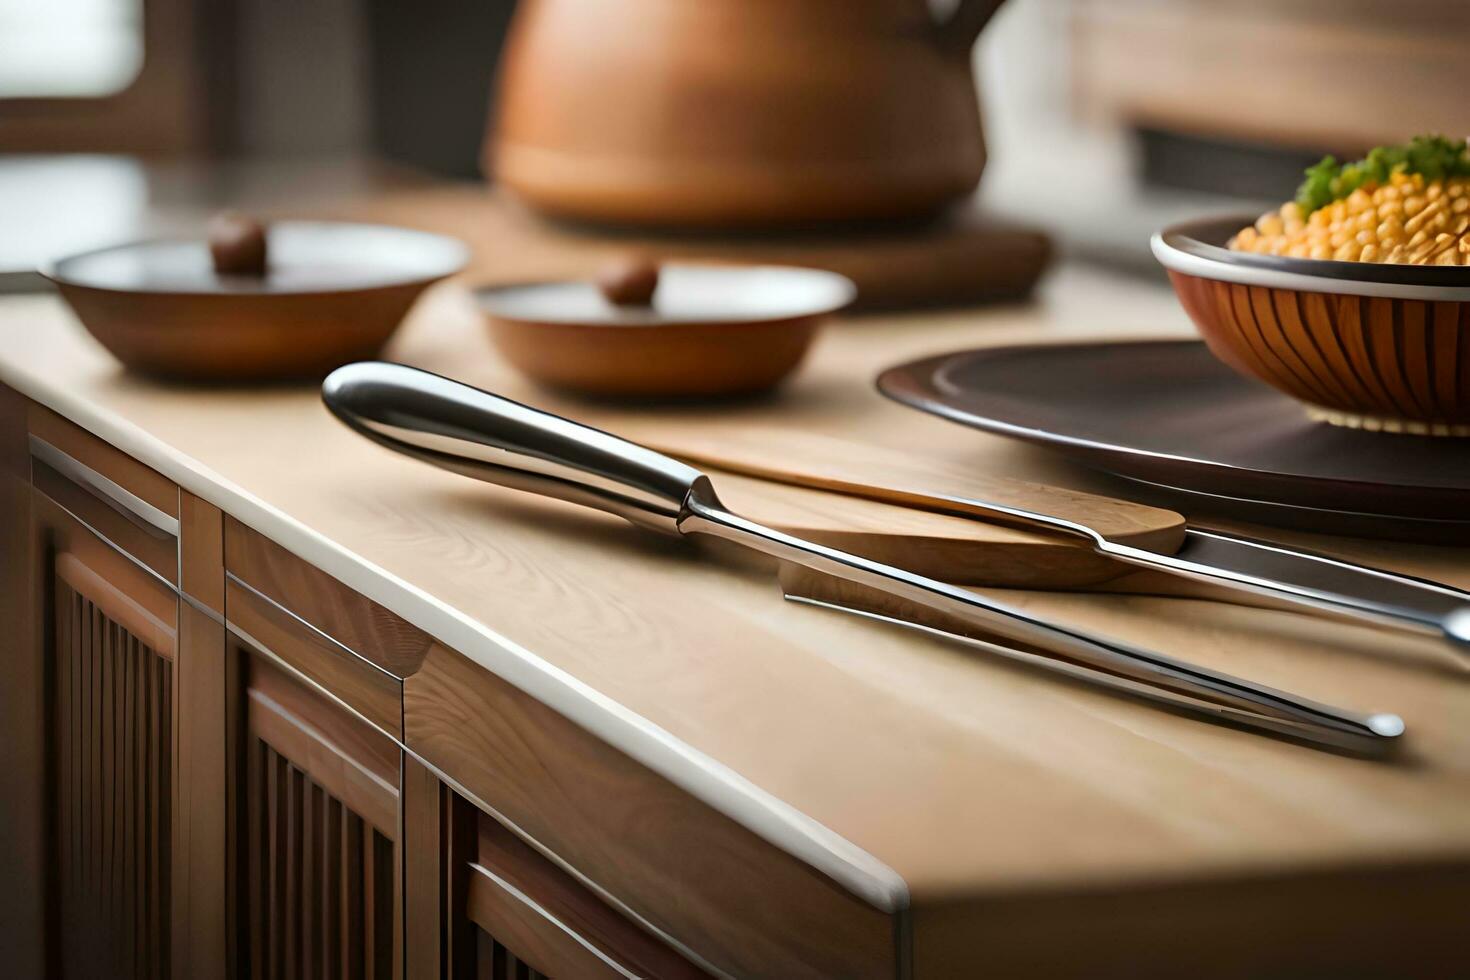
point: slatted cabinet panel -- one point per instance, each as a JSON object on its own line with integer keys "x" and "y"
{"x": 317, "y": 835}
{"x": 493, "y": 961}
{"x": 112, "y": 771}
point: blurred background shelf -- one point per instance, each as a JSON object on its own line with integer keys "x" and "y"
{"x": 1104, "y": 120}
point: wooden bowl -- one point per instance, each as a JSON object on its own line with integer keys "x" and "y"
{"x": 710, "y": 331}
{"x": 334, "y": 293}
{"x": 1364, "y": 345}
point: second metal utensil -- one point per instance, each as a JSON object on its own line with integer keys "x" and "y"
{"x": 482, "y": 435}
{"x": 1263, "y": 569}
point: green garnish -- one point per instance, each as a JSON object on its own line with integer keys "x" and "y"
{"x": 1436, "y": 157}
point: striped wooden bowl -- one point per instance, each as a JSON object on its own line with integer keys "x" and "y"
{"x": 1380, "y": 347}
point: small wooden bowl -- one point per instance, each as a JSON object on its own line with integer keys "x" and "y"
{"x": 1364, "y": 345}
{"x": 711, "y": 330}
{"x": 334, "y": 293}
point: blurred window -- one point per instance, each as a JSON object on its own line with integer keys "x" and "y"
{"x": 69, "y": 48}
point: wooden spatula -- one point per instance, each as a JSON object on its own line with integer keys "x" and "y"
{"x": 892, "y": 477}
{"x": 952, "y": 549}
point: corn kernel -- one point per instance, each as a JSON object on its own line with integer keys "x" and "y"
{"x": 1406, "y": 219}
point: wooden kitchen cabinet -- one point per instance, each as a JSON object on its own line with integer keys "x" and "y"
{"x": 214, "y": 783}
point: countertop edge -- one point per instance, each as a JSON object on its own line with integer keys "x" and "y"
{"x": 703, "y": 777}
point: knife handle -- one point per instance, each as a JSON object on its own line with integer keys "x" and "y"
{"x": 490, "y": 438}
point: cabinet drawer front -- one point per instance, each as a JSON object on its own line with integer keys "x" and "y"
{"x": 514, "y": 930}
{"x": 118, "y": 468}
{"x": 367, "y": 689}
{"x": 133, "y": 525}
{"x": 352, "y": 620}
{"x": 550, "y": 922}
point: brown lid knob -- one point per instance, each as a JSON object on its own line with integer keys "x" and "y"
{"x": 630, "y": 282}
{"x": 237, "y": 244}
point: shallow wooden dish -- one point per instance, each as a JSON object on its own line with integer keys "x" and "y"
{"x": 1364, "y": 345}
{"x": 334, "y": 293}
{"x": 711, "y": 330}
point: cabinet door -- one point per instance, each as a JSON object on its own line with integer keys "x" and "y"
{"x": 110, "y": 644}
{"x": 317, "y": 832}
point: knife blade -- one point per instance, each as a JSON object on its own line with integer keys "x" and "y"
{"x": 1310, "y": 578}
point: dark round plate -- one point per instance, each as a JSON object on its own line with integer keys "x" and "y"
{"x": 1166, "y": 413}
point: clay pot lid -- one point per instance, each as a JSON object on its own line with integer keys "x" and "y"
{"x": 304, "y": 257}
{"x": 687, "y": 293}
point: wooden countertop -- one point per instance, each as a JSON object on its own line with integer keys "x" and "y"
{"x": 912, "y": 772}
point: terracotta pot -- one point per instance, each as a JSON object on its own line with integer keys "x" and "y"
{"x": 731, "y": 113}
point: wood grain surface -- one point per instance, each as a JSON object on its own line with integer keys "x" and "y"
{"x": 437, "y": 848}
{"x": 202, "y": 552}
{"x": 975, "y": 781}
{"x": 1364, "y": 921}
{"x": 201, "y": 922}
